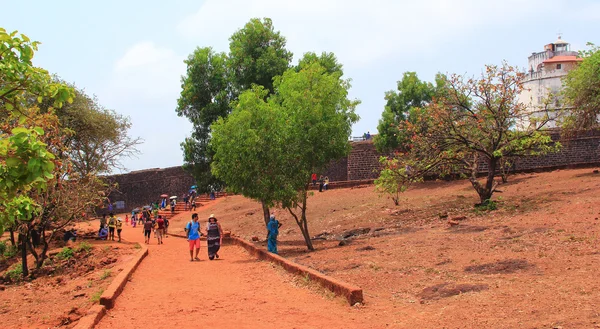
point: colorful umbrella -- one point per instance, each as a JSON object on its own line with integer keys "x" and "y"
{"x": 164, "y": 195}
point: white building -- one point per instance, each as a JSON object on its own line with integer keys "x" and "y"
{"x": 543, "y": 81}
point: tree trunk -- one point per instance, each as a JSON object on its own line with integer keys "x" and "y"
{"x": 302, "y": 222}
{"x": 12, "y": 236}
{"x": 266, "y": 213}
{"x": 489, "y": 184}
{"x": 23, "y": 241}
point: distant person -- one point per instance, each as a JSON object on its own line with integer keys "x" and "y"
{"x": 194, "y": 204}
{"x": 133, "y": 220}
{"x": 186, "y": 200}
{"x": 112, "y": 224}
{"x": 166, "y": 226}
{"x": 119, "y": 227}
{"x": 368, "y": 135}
{"x": 321, "y": 182}
{"x": 326, "y": 183}
{"x": 273, "y": 228}
{"x": 192, "y": 230}
{"x": 147, "y": 230}
{"x": 160, "y": 229}
{"x": 126, "y": 219}
{"x": 173, "y": 204}
{"x": 103, "y": 234}
{"x": 214, "y": 237}
{"x": 70, "y": 235}
{"x": 103, "y": 222}
{"x": 313, "y": 177}
{"x": 155, "y": 213}
{"x": 110, "y": 207}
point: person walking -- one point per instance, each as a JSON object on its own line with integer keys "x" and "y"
{"x": 273, "y": 228}
{"x": 186, "y": 200}
{"x": 192, "y": 230}
{"x": 147, "y": 230}
{"x": 160, "y": 229}
{"x": 214, "y": 237}
{"x": 173, "y": 203}
{"x": 166, "y": 226}
{"x": 112, "y": 224}
{"x": 119, "y": 227}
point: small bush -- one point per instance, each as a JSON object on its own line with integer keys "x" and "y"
{"x": 11, "y": 251}
{"x": 487, "y": 205}
{"x": 96, "y": 296}
{"x": 84, "y": 246}
{"x": 66, "y": 253}
{"x": 105, "y": 275}
{"x": 16, "y": 273}
{"x": 3, "y": 247}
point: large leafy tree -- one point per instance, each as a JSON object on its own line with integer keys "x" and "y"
{"x": 474, "y": 121}
{"x": 26, "y": 161}
{"x": 213, "y": 80}
{"x": 268, "y": 149}
{"x": 405, "y": 103}
{"x": 582, "y": 92}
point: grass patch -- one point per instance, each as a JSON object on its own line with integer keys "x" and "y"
{"x": 137, "y": 246}
{"x": 65, "y": 253}
{"x": 15, "y": 274}
{"x": 84, "y": 246}
{"x": 96, "y": 296}
{"x": 106, "y": 274}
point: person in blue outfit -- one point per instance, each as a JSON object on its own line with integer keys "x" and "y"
{"x": 273, "y": 228}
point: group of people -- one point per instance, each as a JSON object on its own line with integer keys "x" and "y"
{"x": 189, "y": 200}
{"x": 109, "y": 226}
{"x": 214, "y": 237}
{"x": 323, "y": 182}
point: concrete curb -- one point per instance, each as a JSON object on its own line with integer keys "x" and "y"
{"x": 352, "y": 294}
{"x": 116, "y": 286}
{"x": 107, "y": 300}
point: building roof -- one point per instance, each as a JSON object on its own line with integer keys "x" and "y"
{"x": 562, "y": 59}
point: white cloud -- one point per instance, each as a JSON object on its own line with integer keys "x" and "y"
{"x": 360, "y": 32}
{"x": 142, "y": 54}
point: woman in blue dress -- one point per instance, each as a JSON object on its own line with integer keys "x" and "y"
{"x": 273, "y": 228}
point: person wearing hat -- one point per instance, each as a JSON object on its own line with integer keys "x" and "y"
{"x": 214, "y": 237}
{"x": 273, "y": 228}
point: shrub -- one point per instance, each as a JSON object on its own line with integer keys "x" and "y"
{"x": 3, "y": 247}
{"x": 66, "y": 253}
{"x": 105, "y": 274}
{"x": 96, "y": 296}
{"x": 84, "y": 246}
{"x": 11, "y": 251}
{"x": 16, "y": 273}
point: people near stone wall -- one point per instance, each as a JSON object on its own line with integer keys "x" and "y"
{"x": 194, "y": 204}
{"x": 159, "y": 228}
{"x": 112, "y": 224}
{"x": 313, "y": 177}
{"x": 173, "y": 204}
{"x": 326, "y": 183}
{"x": 321, "y": 182}
{"x": 186, "y": 200}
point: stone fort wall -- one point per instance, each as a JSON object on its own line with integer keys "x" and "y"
{"x": 141, "y": 187}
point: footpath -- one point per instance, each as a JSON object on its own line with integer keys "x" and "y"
{"x": 236, "y": 291}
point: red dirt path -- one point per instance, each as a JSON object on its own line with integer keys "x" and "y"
{"x": 237, "y": 291}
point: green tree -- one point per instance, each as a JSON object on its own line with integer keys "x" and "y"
{"x": 407, "y": 103}
{"x": 473, "y": 122}
{"x": 248, "y": 147}
{"x": 582, "y": 92}
{"x": 213, "y": 80}
{"x": 26, "y": 164}
{"x": 327, "y": 60}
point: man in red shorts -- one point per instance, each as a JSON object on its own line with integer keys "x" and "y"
{"x": 160, "y": 229}
{"x": 193, "y": 236}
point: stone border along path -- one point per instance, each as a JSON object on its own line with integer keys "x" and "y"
{"x": 108, "y": 297}
{"x": 236, "y": 291}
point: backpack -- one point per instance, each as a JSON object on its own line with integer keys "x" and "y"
{"x": 188, "y": 228}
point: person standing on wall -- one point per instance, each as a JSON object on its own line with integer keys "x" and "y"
{"x": 192, "y": 230}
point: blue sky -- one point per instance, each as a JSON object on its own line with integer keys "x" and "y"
{"x": 130, "y": 53}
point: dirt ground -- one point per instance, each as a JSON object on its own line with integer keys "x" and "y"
{"x": 532, "y": 263}
{"x": 70, "y": 288}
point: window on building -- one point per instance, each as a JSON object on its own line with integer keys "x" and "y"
{"x": 558, "y": 66}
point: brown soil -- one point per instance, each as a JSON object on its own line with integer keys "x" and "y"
{"x": 64, "y": 289}
{"x": 533, "y": 263}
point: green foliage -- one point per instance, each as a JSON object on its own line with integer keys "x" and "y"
{"x": 487, "y": 205}
{"x": 95, "y": 298}
{"x": 582, "y": 92}
{"x": 15, "y": 273}
{"x": 65, "y": 253}
{"x": 84, "y": 246}
{"x": 267, "y": 149}
{"x": 407, "y": 103}
{"x": 11, "y": 251}
{"x": 105, "y": 275}
{"x": 327, "y": 60}
{"x": 397, "y": 175}
{"x": 214, "y": 80}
